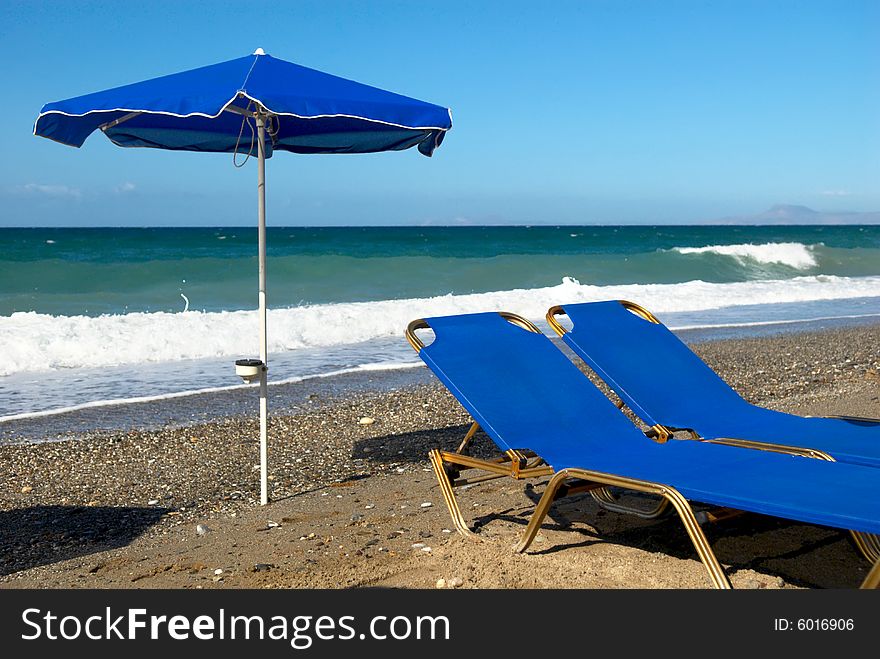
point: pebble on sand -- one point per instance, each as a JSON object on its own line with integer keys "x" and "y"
{"x": 202, "y": 529}
{"x": 454, "y": 582}
{"x": 366, "y": 421}
{"x": 26, "y": 489}
{"x": 427, "y": 504}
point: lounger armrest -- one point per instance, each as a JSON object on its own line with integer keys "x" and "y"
{"x": 416, "y": 343}
{"x": 555, "y": 325}
{"x": 772, "y": 448}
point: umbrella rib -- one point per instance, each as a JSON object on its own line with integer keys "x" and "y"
{"x": 116, "y": 122}
{"x": 237, "y": 110}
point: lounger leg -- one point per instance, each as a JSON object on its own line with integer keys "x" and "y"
{"x": 873, "y": 541}
{"x": 449, "y": 496}
{"x": 682, "y": 507}
{"x": 873, "y": 578}
{"x": 867, "y": 544}
{"x": 541, "y": 511}
{"x": 701, "y": 544}
{"x": 469, "y": 435}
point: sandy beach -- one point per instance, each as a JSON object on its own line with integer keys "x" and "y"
{"x": 357, "y": 504}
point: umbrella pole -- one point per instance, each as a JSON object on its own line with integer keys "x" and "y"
{"x": 261, "y": 239}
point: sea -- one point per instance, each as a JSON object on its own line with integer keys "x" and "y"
{"x": 108, "y": 317}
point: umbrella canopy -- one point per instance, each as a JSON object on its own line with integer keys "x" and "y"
{"x": 285, "y": 107}
{"x": 199, "y": 110}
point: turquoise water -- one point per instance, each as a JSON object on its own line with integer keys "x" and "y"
{"x": 103, "y": 316}
{"x": 112, "y": 271}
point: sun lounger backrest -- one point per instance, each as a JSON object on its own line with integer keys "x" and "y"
{"x": 632, "y": 355}
{"x": 520, "y": 388}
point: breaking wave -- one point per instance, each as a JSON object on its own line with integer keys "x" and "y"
{"x": 32, "y": 341}
{"x": 793, "y": 255}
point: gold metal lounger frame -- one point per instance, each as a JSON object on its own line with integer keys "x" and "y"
{"x": 868, "y": 544}
{"x": 519, "y": 465}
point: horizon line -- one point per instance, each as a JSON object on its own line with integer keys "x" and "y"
{"x": 449, "y": 226}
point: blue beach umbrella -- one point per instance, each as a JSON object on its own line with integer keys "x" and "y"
{"x": 254, "y": 104}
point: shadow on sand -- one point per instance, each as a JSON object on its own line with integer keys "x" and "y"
{"x": 42, "y": 535}
{"x": 413, "y": 447}
{"x": 803, "y": 555}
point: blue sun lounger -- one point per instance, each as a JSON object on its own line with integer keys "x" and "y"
{"x": 546, "y": 417}
{"x": 669, "y": 387}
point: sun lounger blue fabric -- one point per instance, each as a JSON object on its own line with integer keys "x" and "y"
{"x": 665, "y": 383}
{"x": 526, "y": 394}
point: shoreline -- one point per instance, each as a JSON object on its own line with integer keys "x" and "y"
{"x": 119, "y": 508}
{"x": 287, "y": 398}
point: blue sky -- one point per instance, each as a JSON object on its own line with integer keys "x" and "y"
{"x": 565, "y": 112}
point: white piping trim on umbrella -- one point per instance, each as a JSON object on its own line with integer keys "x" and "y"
{"x": 227, "y": 104}
{"x": 349, "y": 116}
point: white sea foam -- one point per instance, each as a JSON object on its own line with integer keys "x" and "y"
{"x": 33, "y": 342}
{"x": 111, "y": 402}
{"x": 794, "y": 255}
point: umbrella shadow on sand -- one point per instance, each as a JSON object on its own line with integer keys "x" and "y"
{"x": 413, "y": 447}
{"x": 42, "y": 535}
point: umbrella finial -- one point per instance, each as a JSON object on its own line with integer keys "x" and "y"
{"x": 259, "y": 51}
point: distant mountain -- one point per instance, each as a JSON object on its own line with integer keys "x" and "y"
{"x": 792, "y": 214}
